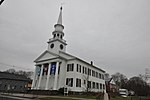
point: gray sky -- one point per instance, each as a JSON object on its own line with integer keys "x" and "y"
{"x": 114, "y": 34}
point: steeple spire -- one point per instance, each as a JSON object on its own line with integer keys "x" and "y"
{"x": 60, "y": 17}
{"x": 58, "y": 32}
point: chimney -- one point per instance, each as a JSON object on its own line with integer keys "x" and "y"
{"x": 92, "y": 63}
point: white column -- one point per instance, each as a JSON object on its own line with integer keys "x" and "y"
{"x": 34, "y": 78}
{"x": 39, "y": 83}
{"x": 56, "y": 76}
{"x": 47, "y": 81}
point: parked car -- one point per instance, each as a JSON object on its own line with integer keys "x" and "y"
{"x": 123, "y": 92}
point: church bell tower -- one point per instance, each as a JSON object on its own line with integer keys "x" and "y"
{"x": 57, "y": 43}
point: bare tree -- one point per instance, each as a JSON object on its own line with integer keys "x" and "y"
{"x": 120, "y": 79}
{"x": 11, "y": 71}
{"x": 86, "y": 82}
{"x": 20, "y": 72}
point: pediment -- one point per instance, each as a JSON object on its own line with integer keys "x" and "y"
{"x": 112, "y": 82}
{"x": 46, "y": 56}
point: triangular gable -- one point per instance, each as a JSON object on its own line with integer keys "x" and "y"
{"x": 46, "y": 55}
{"x": 112, "y": 81}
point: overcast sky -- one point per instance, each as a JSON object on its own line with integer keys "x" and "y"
{"x": 114, "y": 34}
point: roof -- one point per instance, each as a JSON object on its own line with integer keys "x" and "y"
{"x": 110, "y": 81}
{"x": 11, "y": 76}
{"x": 62, "y": 55}
{"x": 82, "y": 61}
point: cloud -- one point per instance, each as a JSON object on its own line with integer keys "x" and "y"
{"x": 113, "y": 34}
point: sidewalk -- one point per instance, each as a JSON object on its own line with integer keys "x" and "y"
{"x": 36, "y": 97}
{"x": 9, "y": 96}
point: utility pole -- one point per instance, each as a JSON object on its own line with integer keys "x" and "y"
{"x": 1, "y": 1}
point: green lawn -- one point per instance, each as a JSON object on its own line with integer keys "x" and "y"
{"x": 89, "y": 97}
{"x": 53, "y": 99}
{"x": 69, "y": 97}
{"x": 121, "y": 98}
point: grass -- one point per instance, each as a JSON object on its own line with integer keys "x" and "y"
{"x": 53, "y": 99}
{"x": 70, "y": 97}
{"x": 89, "y": 97}
{"x": 120, "y": 98}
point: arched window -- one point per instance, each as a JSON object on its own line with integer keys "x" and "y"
{"x": 54, "y": 35}
{"x": 61, "y": 36}
{"x": 58, "y": 35}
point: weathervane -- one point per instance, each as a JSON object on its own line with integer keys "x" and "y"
{"x": 62, "y": 5}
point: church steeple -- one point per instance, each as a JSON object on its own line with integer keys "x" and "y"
{"x": 58, "y": 33}
{"x": 60, "y": 17}
{"x": 57, "y": 43}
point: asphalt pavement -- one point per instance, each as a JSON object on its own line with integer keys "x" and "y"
{"x": 9, "y": 97}
{"x": 19, "y": 96}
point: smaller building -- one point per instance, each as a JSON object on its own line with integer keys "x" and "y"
{"x": 13, "y": 83}
{"x": 111, "y": 86}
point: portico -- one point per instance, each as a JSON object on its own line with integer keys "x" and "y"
{"x": 46, "y": 76}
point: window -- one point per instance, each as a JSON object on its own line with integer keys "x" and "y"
{"x": 54, "y": 35}
{"x": 69, "y": 82}
{"x": 93, "y": 85}
{"x": 89, "y": 71}
{"x": 89, "y": 84}
{"x": 103, "y": 86}
{"x": 61, "y": 46}
{"x": 78, "y": 82}
{"x": 52, "y": 45}
{"x": 78, "y": 68}
{"x": 57, "y": 35}
{"x": 20, "y": 87}
{"x": 96, "y": 74}
{"x": 70, "y": 67}
{"x": 85, "y": 70}
{"x": 93, "y": 73}
{"x": 100, "y": 86}
{"x": 97, "y": 86}
{"x": 100, "y": 76}
{"x": 84, "y": 81}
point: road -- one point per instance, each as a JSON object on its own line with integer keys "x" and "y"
{"x": 4, "y": 97}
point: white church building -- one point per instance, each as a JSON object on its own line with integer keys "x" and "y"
{"x": 55, "y": 68}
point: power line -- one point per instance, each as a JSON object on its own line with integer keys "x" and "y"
{"x": 12, "y": 66}
{"x": 1, "y": 1}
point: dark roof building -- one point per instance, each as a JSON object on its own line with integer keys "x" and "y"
{"x": 10, "y": 82}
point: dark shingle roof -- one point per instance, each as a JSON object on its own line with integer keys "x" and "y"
{"x": 11, "y": 76}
